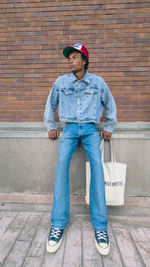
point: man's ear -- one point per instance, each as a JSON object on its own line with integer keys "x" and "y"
{"x": 84, "y": 62}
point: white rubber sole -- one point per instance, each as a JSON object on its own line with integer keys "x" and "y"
{"x": 53, "y": 249}
{"x": 103, "y": 251}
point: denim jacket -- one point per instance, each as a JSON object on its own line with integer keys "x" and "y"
{"x": 80, "y": 101}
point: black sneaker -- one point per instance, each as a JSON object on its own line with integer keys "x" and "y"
{"x": 102, "y": 242}
{"x": 54, "y": 239}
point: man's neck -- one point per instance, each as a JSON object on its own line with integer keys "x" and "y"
{"x": 80, "y": 74}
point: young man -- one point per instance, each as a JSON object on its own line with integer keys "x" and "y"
{"x": 80, "y": 98}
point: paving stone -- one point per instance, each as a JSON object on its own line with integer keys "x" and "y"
{"x": 38, "y": 244}
{"x": 89, "y": 250}
{"x": 80, "y": 210}
{"x": 89, "y": 263}
{"x": 142, "y": 243}
{"x": 45, "y": 219}
{"x": 7, "y": 241}
{"x": 25, "y": 207}
{"x": 75, "y": 223}
{"x": 1, "y": 215}
{"x": 72, "y": 255}
{"x": 68, "y": 265}
{"x": 126, "y": 246}
{"x": 27, "y": 233}
{"x": 86, "y": 224}
{"x": 131, "y": 220}
{"x": 8, "y": 213}
{"x": 33, "y": 262}
{"x": 34, "y": 218}
{"x": 20, "y": 219}
{"x": 113, "y": 259}
{"x": 17, "y": 255}
{"x": 5, "y": 222}
{"x": 147, "y": 232}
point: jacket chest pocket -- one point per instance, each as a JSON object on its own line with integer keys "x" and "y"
{"x": 67, "y": 102}
{"x": 67, "y": 92}
{"x": 67, "y": 96}
{"x": 90, "y": 96}
{"x": 91, "y": 91}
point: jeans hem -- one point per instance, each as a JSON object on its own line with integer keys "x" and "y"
{"x": 102, "y": 229}
{"x": 58, "y": 226}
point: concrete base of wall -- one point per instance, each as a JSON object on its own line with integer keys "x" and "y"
{"x": 134, "y": 206}
{"x": 28, "y": 159}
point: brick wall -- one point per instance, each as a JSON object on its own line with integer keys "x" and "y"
{"x": 34, "y": 32}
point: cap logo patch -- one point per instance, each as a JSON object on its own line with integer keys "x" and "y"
{"x": 78, "y": 46}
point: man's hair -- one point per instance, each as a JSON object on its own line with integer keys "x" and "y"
{"x": 87, "y": 63}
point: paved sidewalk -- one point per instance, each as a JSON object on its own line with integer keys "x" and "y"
{"x": 24, "y": 228}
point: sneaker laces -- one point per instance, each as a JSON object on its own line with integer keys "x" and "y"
{"x": 102, "y": 236}
{"x": 55, "y": 233}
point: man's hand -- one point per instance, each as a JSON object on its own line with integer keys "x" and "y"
{"x": 106, "y": 135}
{"x": 53, "y": 134}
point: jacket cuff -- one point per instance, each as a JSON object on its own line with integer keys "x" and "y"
{"x": 51, "y": 126}
{"x": 107, "y": 129}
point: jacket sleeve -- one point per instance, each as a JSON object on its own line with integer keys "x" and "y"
{"x": 50, "y": 108}
{"x": 110, "y": 107}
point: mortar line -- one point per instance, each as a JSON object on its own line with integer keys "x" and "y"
{"x": 102, "y": 259}
{"x": 65, "y": 241}
{"x": 82, "y": 244}
{"x": 136, "y": 248}
{"x": 30, "y": 243}
{"x": 121, "y": 259}
{"x": 16, "y": 237}
{"x": 31, "y": 240}
{"x": 10, "y": 223}
{"x": 42, "y": 262}
{"x": 14, "y": 242}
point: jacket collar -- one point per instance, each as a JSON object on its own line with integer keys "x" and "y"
{"x": 85, "y": 78}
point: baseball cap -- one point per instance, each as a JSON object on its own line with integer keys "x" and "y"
{"x": 76, "y": 47}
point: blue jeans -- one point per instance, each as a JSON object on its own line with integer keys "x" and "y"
{"x": 89, "y": 136}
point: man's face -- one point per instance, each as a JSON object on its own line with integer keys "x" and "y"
{"x": 76, "y": 63}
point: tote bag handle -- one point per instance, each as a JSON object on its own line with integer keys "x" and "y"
{"x": 113, "y": 159}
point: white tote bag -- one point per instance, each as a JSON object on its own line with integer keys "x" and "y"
{"x": 115, "y": 177}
